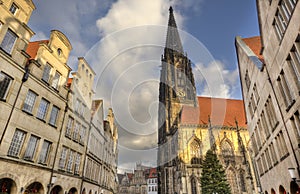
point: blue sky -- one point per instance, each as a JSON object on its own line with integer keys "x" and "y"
{"x": 123, "y": 41}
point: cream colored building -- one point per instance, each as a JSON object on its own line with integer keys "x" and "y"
{"x": 269, "y": 69}
{"x": 46, "y": 118}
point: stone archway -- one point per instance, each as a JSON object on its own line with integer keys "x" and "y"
{"x": 73, "y": 190}
{"x": 273, "y": 191}
{"x": 83, "y": 191}
{"x": 266, "y": 192}
{"x": 57, "y": 190}
{"x": 294, "y": 188}
{"x": 8, "y": 186}
{"x": 35, "y": 188}
{"x": 282, "y": 190}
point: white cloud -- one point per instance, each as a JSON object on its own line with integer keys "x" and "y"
{"x": 216, "y": 81}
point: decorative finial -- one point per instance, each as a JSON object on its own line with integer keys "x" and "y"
{"x": 171, "y": 9}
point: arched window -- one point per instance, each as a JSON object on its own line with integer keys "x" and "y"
{"x": 231, "y": 178}
{"x": 195, "y": 152}
{"x": 242, "y": 181}
{"x": 227, "y": 152}
{"x": 194, "y": 185}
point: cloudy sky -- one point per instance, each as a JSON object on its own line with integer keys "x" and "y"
{"x": 123, "y": 41}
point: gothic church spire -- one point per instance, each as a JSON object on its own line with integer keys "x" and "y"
{"x": 173, "y": 39}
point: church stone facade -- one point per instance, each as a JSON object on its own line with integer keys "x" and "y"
{"x": 190, "y": 125}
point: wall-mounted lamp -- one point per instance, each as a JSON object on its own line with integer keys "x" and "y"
{"x": 293, "y": 173}
{"x": 259, "y": 190}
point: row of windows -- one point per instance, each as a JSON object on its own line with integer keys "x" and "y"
{"x": 96, "y": 172}
{"x": 282, "y": 16}
{"x": 80, "y": 107}
{"x": 269, "y": 157}
{"x": 75, "y": 130}
{"x": 152, "y": 188}
{"x": 150, "y": 181}
{"x": 70, "y": 160}
{"x": 42, "y": 109}
{"x": 33, "y": 143}
{"x": 46, "y": 76}
{"x": 285, "y": 84}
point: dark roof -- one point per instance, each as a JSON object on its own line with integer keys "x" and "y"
{"x": 222, "y": 112}
{"x": 173, "y": 41}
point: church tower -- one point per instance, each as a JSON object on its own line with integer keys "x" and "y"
{"x": 189, "y": 125}
{"x": 177, "y": 88}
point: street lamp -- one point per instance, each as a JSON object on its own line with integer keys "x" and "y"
{"x": 292, "y": 172}
{"x": 259, "y": 189}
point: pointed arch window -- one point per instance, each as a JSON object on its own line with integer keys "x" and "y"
{"x": 194, "y": 185}
{"x": 227, "y": 152}
{"x": 195, "y": 152}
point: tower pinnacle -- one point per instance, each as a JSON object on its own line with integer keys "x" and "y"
{"x": 173, "y": 41}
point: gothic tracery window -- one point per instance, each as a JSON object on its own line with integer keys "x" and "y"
{"x": 227, "y": 152}
{"x": 195, "y": 152}
{"x": 194, "y": 185}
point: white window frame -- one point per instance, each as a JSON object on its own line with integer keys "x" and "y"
{"x": 43, "y": 108}
{"x": 46, "y": 72}
{"x": 77, "y": 163}
{"x": 9, "y": 41}
{"x": 5, "y": 83}
{"x": 31, "y": 147}
{"x": 53, "y": 115}
{"x": 63, "y": 157}
{"x": 55, "y": 81}
{"x": 16, "y": 143}
{"x": 69, "y": 127}
{"x": 29, "y": 101}
{"x": 13, "y": 9}
{"x": 45, "y": 152}
{"x": 69, "y": 166}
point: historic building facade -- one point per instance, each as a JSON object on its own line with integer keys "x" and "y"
{"x": 46, "y": 118}
{"x": 142, "y": 181}
{"x": 269, "y": 69}
{"x": 190, "y": 125}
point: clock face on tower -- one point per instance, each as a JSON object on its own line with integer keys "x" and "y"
{"x": 180, "y": 92}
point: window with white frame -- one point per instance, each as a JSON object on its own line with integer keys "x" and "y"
{"x": 13, "y": 8}
{"x": 69, "y": 127}
{"x": 76, "y": 130}
{"x": 55, "y": 81}
{"x": 63, "y": 157}
{"x": 5, "y": 82}
{"x": 44, "y": 152}
{"x": 42, "y": 111}
{"x": 53, "y": 115}
{"x": 77, "y": 105}
{"x": 69, "y": 167}
{"x": 278, "y": 30}
{"x": 82, "y": 134}
{"x": 294, "y": 62}
{"x": 31, "y": 147}
{"x": 16, "y": 143}
{"x": 77, "y": 163}
{"x": 29, "y": 101}
{"x": 8, "y": 41}
{"x": 46, "y": 73}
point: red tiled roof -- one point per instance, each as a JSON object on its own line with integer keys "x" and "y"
{"x": 69, "y": 82}
{"x": 130, "y": 176}
{"x": 254, "y": 43}
{"x": 33, "y": 47}
{"x": 221, "y": 112}
{"x": 152, "y": 173}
